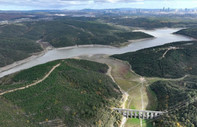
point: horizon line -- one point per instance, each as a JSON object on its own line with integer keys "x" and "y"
{"x": 95, "y": 9}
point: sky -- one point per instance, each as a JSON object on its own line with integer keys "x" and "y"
{"x": 93, "y": 4}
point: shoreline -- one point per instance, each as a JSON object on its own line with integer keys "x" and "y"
{"x": 46, "y": 49}
{"x": 39, "y": 54}
{"x": 144, "y": 39}
{"x": 192, "y": 38}
{"x": 85, "y": 46}
{"x": 20, "y": 62}
{"x": 23, "y": 61}
{"x": 133, "y": 41}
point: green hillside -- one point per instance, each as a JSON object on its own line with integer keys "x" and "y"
{"x": 18, "y": 41}
{"x": 191, "y": 32}
{"x": 169, "y": 61}
{"x": 77, "y": 93}
{"x": 179, "y": 98}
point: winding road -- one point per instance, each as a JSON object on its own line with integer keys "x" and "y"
{"x": 33, "y": 84}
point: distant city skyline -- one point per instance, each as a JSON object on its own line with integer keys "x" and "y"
{"x": 94, "y": 4}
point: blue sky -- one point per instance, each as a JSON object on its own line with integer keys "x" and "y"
{"x": 93, "y": 4}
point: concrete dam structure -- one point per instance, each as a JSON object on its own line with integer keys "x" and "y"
{"x": 141, "y": 114}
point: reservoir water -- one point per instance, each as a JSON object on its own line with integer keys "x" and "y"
{"x": 161, "y": 36}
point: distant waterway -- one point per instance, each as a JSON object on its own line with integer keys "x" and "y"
{"x": 161, "y": 36}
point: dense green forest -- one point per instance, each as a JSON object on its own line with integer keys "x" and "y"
{"x": 191, "y": 32}
{"x": 71, "y": 32}
{"x": 177, "y": 96}
{"x": 77, "y": 93}
{"x": 173, "y": 60}
{"x": 18, "y": 41}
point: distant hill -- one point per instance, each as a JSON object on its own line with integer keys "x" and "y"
{"x": 18, "y": 41}
{"x": 77, "y": 93}
{"x": 143, "y": 22}
{"x": 12, "y": 15}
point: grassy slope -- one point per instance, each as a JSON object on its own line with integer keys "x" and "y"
{"x": 176, "y": 63}
{"x": 17, "y": 41}
{"x": 130, "y": 82}
{"x": 77, "y": 93}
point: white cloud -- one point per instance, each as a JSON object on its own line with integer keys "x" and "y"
{"x": 113, "y": 1}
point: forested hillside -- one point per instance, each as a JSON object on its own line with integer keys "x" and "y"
{"x": 173, "y": 60}
{"x": 18, "y": 41}
{"x": 191, "y": 32}
{"x": 77, "y": 93}
{"x": 179, "y": 99}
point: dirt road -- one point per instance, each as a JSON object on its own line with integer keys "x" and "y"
{"x": 132, "y": 85}
{"x": 33, "y": 84}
